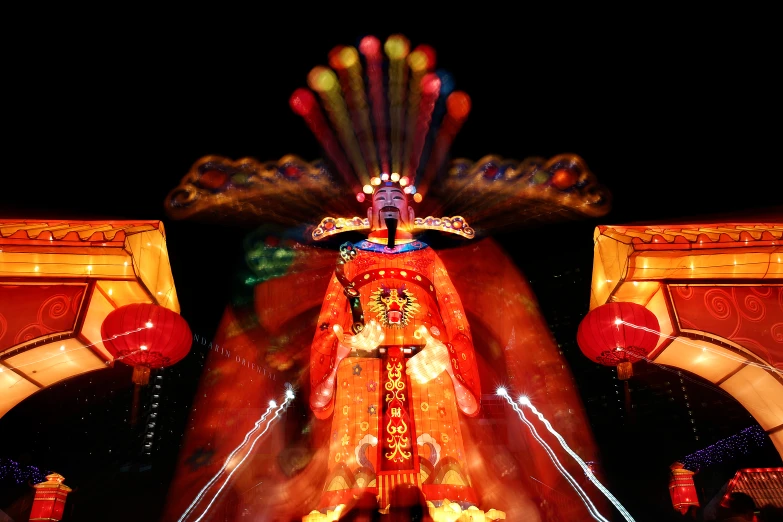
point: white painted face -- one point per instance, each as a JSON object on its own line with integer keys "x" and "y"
{"x": 390, "y": 201}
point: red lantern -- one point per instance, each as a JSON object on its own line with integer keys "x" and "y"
{"x": 618, "y": 334}
{"x": 145, "y": 336}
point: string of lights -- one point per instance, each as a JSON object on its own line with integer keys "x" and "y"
{"x": 743, "y": 442}
{"x": 10, "y": 469}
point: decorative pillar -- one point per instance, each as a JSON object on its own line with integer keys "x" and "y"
{"x": 681, "y": 488}
{"x": 49, "y": 501}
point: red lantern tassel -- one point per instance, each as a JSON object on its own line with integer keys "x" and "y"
{"x": 141, "y": 377}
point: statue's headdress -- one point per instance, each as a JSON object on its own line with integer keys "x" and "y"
{"x": 383, "y": 113}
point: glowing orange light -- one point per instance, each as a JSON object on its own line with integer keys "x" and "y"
{"x": 417, "y": 197}
{"x": 368, "y": 188}
{"x": 564, "y": 179}
{"x": 458, "y": 105}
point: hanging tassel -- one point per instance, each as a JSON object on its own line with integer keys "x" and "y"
{"x": 624, "y": 370}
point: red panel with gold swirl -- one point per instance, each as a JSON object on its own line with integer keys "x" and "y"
{"x": 31, "y": 311}
{"x": 750, "y": 316}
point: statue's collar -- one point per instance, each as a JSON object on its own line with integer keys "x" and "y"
{"x": 382, "y": 248}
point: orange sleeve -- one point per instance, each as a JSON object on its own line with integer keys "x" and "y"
{"x": 324, "y": 347}
{"x": 459, "y": 341}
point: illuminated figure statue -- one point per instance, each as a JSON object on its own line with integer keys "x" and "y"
{"x": 394, "y": 387}
{"x": 393, "y": 353}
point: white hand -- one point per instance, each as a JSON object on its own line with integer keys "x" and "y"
{"x": 367, "y": 340}
{"x": 430, "y": 362}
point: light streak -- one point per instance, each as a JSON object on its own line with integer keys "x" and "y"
{"x": 272, "y": 405}
{"x": 289, "y": 395}
{"x": 588, "y": 503}
{"x": 526, "y": 402}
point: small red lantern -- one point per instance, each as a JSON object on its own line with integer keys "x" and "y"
{"x": 682, "y": 488}
{"x": 618, "y": 334}
{"x": 50, "y": 496}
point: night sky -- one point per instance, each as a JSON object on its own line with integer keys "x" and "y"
{"x": 676, "y": 113}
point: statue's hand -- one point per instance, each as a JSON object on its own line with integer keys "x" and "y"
{"x": 367, "y": 340}
{"x": 430, "y": 362}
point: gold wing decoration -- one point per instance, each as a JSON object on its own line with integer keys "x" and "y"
{"x": 495, "y": 193}
{"x": 289, "y": 192}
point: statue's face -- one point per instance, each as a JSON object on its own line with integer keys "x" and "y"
{"x": 390, "y": 201}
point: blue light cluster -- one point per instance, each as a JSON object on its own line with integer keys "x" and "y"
{"x": 10, "y": 469}
{"x": 744, "y": 441}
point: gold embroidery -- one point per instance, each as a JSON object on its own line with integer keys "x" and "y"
{"x": 396, "y": 428}
{"x": 394, "y": 307}
{"x": 395, "y": 384}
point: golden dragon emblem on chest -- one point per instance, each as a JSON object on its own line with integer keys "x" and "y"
{"x": 393, "y": 307}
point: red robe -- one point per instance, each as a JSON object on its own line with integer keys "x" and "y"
{"x": 387, "y": 429}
